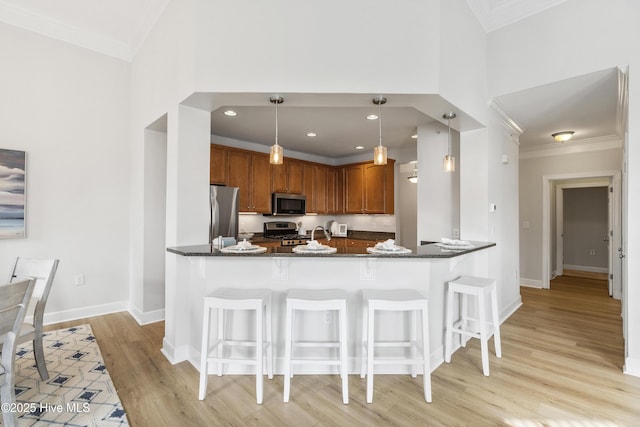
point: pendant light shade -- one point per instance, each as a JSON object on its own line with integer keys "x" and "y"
{"x": 413, "y": 176}
{"x": 276, "y": 153}
{"x": 449, "y": 163}
{"x": 380, "y": 152}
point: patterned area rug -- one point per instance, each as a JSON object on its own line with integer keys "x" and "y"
{"x": 79, "y": 391}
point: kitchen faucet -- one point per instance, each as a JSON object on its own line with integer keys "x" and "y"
{"x": 323, "y": 230}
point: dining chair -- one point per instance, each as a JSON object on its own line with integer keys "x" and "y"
{"x": 14, "y": 299}
{"x": 43, "y": 271}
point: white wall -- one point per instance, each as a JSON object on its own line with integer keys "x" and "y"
{"x": 68, "y": 108}
{"x": 438, "y": 191}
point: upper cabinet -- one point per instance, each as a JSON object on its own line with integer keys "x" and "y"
{"x": 315, "y": 187}
{"x": 218, "y": 166}
{"x": 287, "y": 177}
{"x": 360, "y": 188}
{"x": 246, "y": 170}
{"x": 369, "y": 188}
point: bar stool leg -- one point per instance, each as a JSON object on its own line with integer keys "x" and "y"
{"x": 363, "y": 346}
{"x": 426, "y": 354}
{"x": 204, "y": 354}
{"x": 259, "y": 358}
{"x": 344, "y": 360}
{"x": 287, "y": 354}
{"x": 449, "y": 331}
{"x": 414, "y": 340}
{"x": 220, "y": 339}
{"x": 484, "y": 345}
{"x": 496, "y": 321}
{"x": 464, "y": 313}
{"x": 370, "y": 350}
{"x": 267, "y": 310}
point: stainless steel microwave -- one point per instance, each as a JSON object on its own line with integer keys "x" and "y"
{"x": 288, "y": 204}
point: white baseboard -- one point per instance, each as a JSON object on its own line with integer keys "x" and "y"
{"x": 632, "y": 367}
{"x": 586, "y": 268}
{"x": 531, "y": 283}
{"x": 81, "y": 313}
{"x": 146, "y": 318}
{"x": 510, "y": 309}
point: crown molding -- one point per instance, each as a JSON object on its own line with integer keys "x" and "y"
{"x": 508, "y": 123}
{"x": 623, "y": 100}
{"x": 55, "y": 29}
{"x": 494, "y": 15}
{"x": 608, "y": 142}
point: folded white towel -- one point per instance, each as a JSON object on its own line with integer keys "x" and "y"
{"x": 388, "y": 244}
{"x": 244, "y": 244}
{"x": 453, "y": 242}
{"x": 314, "y": 244}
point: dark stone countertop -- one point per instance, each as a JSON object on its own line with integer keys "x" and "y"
{"x": 424, "y": 251}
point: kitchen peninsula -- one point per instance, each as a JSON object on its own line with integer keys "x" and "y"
{"x": 204, "y": 268}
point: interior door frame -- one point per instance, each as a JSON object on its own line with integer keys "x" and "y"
{"x": 547, "y": 182}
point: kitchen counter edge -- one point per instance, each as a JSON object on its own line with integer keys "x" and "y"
{"x": 424, "y": 251}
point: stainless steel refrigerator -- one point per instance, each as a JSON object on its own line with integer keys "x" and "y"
{"x": 223, "y": 203}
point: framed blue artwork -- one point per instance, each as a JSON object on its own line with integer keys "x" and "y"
{"x": 12, "y": 193}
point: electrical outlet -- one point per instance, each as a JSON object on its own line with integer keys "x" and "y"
{"x": 592, "y": 252}
{"x": 79, "y": 279}
{"x": 456, "y": 233}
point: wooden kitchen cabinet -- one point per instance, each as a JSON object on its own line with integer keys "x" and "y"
{"x": 335, "y": 190}
{"x": 314, "y": 177}
{"x": 358, "y": 246}
{"x": 218, "y": 165}
{"x": 369, "y": 188}
{"x": 251, "y": 173}
{"x": 287, "y": 177}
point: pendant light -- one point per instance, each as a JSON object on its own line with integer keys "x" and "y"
{"x": 276, "y": 153}
{"x": 413, "y": 176}
{"x": 449, "y": 163}
{"x": 380, "y": 152}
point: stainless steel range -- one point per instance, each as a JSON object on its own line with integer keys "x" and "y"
{"x": 285, "y": 232}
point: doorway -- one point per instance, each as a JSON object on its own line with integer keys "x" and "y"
{"x": 552, "y": 224}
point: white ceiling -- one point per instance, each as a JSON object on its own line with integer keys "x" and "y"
{"x": 585, "y": 104}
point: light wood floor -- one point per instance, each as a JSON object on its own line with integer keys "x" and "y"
{"x": 561, "y": 365}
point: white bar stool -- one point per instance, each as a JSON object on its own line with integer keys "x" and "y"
{"x": 395, "y": 300}
{"x": 481, "y": 288}
{"x": 316, "y": 300}
{"x": 258, "y": 300}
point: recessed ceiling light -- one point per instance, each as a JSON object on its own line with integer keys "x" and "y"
{"x": 359, "y": 147}
{"x": 372, "y": 117}
{"x": 414, "y": 136}
{"x": 311, "y": 134}
{"x": 230, "y": 113}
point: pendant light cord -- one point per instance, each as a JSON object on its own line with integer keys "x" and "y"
{"x": 277, "y": 121}
{"x": 380, "y": 122}
{"x": 449, "y": 126}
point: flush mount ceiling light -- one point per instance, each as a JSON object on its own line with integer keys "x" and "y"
{"x": 372, "y": 117}
{"x": 563, "y": 136}
{"x": 449, "y": 163}
{"x": 414, "y": 136}
{"x": 413, "y": 176}
{"x": 311, "y": 134}
{"x": 380, "y": 152}
{"x": 359, "y": 147}
{"x": 276, "y": 152}
{"x": 230, "y": 113}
